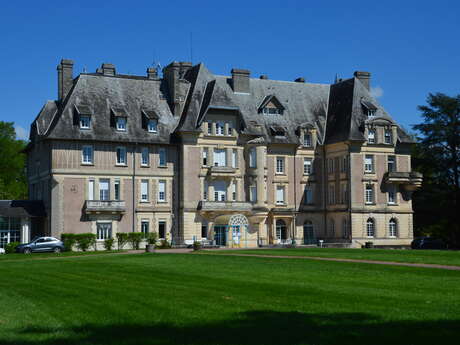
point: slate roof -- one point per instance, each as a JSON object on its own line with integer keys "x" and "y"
{"x": 22, "y": 208}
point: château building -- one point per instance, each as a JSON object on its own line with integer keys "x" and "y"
{"x": 236, "y": 160}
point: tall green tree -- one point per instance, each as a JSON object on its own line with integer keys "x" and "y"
{"x": 13, "y": 183}
{"x": 437, "y": 156}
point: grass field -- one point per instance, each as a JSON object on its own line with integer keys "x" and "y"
{"x": 211, "y": 299}
{"x": 441, "y": 257}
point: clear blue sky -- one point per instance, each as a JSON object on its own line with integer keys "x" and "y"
{"x": 410, "y": 47}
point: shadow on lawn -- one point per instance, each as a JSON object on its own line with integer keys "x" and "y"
{"x": 257, "y": 327}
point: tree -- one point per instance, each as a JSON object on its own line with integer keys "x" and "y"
{"x": 437, "y": 156}
{"x": 12, "y": 164}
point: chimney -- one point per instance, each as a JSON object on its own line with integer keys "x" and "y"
{"x": 172, "y": 74}
{"x": 108, "y": 69}
{"x": 183, "y": 68}
{"x": 152, "y": 73}
{"x": 240, "y": 80}
{"x": 365, "y": 78}
{"x": 300, "y": 80}
{"x": 264, "y": 77}
{"x": 65, "y": 78}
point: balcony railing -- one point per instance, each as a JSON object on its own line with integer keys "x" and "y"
{"x": 409, "y": 180}
{"x": 111, "y": 206}
{"x": 233, "y": 206}
{"x": 222, "y": 170}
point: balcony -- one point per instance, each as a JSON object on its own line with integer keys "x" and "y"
{"x": 104, "y": 206}
{"x": 410, "y": 181}
{"x": 225, "y": 206}
{"x": 221, "y": 171}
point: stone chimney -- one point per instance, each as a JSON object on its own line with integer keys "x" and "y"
{"x": 300, "y": 80}
{"x": 65, "y": 78}
{"x": 365, "y": 78}
{"x": 152, "y": 73}
{"x": 108, "y": 69}
{"x": 240, "y": 80}
{"x": 264, "y": 77}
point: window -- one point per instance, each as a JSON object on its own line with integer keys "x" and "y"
{"x": 392, "y": 194}
{"x": 393, "y": 228}
{"x": 220, "y": 128}
{"x": 307, "y": 139}
{"x": 85, "y": 122}
{"x": 369, "y": 164}
{"x": 220, "y": 190}
{"x": 272, "y": 111}
{"x": 391, "y": 163}
{"x": 234, "y": 158}
{"x": 344, "y": 194}
{"x": 204, "y": 156}
{"x": 369, "y": 194}
{"x": 331, "y": 228}
{"x": 308, "y": 196}
{"x": 281, "y": 230}
{"x": 370, "y": 227}
{"x": 330, "y": 165}
{"x": 104, "y": 231}
{"x": 116, "y": 189}
{"x": 104, "y": 189}
{"x": 308, "y": 233}
{"x": 144, "y": 190}
{"x": 145, "y": 161}
{"x": 388, "y": 136}
{"x": 234, "y": 192}
{"x": 162, "y": 157}
{"x": 209, "y": 128}
{"x": 307, "y": 166}
{"x": 253, "y": 193}
{"x": 162, "y": 191}
{"x": 345, "y": 230}
{"x": 331, "y": 194}
{"x": 371, "y": 113}
{"x": 152, "y": 126}
{"x": 204, "y": 230}
{"x": 280, "y": 195}
{"x": 205, "y": 190}
{"x": 252, "y": 157}
{"x": 145, "y": 227}
{"x": 371, "y": 136}
{"x": 230, "y": 129}
{"x": 91, "y": 189}
{"x": 162, "y": 229}
{"x": 121, "y": 155}
{"x": 87, "y": 154}
{"x": 121, "y": 123}
{"x": 220, "y": 159}
{"x": 280, "y": 165}
{"x": 344, "y": 164}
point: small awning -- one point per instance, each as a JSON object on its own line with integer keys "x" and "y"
{"x": 84, "y": 109}
{"x": 368, "y": 105}
{"x": 150, "y": 114}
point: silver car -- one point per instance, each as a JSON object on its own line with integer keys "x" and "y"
{"x": 41, "y": 244}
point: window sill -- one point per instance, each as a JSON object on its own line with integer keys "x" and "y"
{"x": 85, "y": 128}
{"x": 88, "y": 164}
{"x": 121, "y": 130}
{"x": 162, "y": 202}
{"x": 145, "y": 166}
{"x": 280, "y": 174}
{"x": 152, "y": 132}
{"x": 392, "y": 204}
{"x": 144, "y": 201}
{"x": 281, "y": 204}
{"x": 121, "y": 165}
{"x": 370, "y": 203}
{"x": 162, "y": 166}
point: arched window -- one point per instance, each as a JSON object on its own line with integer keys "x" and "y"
{"x": 331, "y": 228}
{"x": 345, "y": 230}
{"x": 281, "y": 230}
{"x": 370, "y": 227}
{"x": 308, "y": 233}
{"x": 393, "y": 228}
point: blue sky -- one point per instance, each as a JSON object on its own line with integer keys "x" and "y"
{"x": 410, "y": 47}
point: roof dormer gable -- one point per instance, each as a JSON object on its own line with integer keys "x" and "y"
{"x": 271, "y": 106}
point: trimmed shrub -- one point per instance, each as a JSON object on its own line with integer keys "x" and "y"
{"x": 84, "y": 241}
{"x": 108, "y": 243}
{"x": 11, "y": 247}
{"x": 196, "y": 245}
{"x": 164, "y": 244}
{"x": 69, "y": 241}
{"x": 122, "y": 239}
{"x": 135, "y": 239}
{"x": 151, "y": 238}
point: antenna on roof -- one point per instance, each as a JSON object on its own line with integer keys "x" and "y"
{"x": 191, "y": 47}
{"x": 336, "y": 78}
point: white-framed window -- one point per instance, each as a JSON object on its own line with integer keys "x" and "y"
{"x": 280, "y": 165}
{"x": 253, "y": 193}
{"x": 162, "y": 157}
{"x": 144, "y": 190}
{"x": 272, "y": 111}
{"x": 391, "y": 194}
{"x": 370, "y": 113}
{"x": 369, "y": 164}
{"x": 308, "y": 196}
{"x": 121, "y": 155}
{"x": 330, "y": 165}
{"x": 116, "y": 189}
{"x": 369, "y": 194}
{"x": 145, "y": 226}
{"x": 145, "y": 160}
{"x": 371, "y": 136}
{"x": 121, "y": 123}
{"x": 204, "y": 156}
{"x": 220, "y": 190}
{"x": 104, "y": 231}
{"x": 307, "y": 139}
{"x": 234, "y": 192}
{"x": 370, "y": 227}
{"x": 162, "y": 191}
{"x": 391, "y": 163}
{"x": 104, "y": 189}
{"x": 307, "y": 166}
{"x": 252, "y": 157}
{"x": 388, "y": 136}
{"x": 220, "y": 126}
{"x": 331, "y": 194}
{"x": 87, "y": 154}
{"x": 393, "y": 228}
{"x": 280, "y": 197}
{"x": 85, "y": 121}
{"x": 91, "y": 189}
{"x": 152, "y": 125}
{"x": 234, "y": 158}
{"x": 220, "y": 157}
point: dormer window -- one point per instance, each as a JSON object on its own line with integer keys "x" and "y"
{"x": 150, "y": 120}
{"x": 220, "y": 128}
{"x": 370, "y": 113}
{"x": 152, "y": 126}
{"x": 371, "y": 136}
{"x": 85, "y": 121}
{"x": 121, "y": 123}
{"x": 369, "y": 109}
{"x": 271, "y": 106}
{"x": 388, "y": 136}
{"x": 307, "y": 139}
{"x": 272, "y": 111}
{"x": 82, "y": 116}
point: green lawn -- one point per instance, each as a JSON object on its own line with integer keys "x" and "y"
{"x": 35, "y": 256}
{"x": 442, "y": 257}
{"x": 211, "y": 299}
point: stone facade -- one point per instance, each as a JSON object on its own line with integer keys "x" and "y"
{"x": 236, "y": 161}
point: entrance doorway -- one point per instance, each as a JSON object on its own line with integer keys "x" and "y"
{"x": 220, "y": 235}
{"x": 308, "y": 233}
{"x": 281, "y": 231}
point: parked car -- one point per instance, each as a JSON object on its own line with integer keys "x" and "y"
{"x": 41, "y": 244}
{"x": 428, "y": 243}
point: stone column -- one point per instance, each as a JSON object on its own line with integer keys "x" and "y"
{"x": 210, "y": 191}
{"x": 226, "y": 128}
{"x": 25, "y": 230}
{"x": 239, "y": 192}
{"x": 210, "y": 156}
{"x": 213, "y": 127}
{"x": 228, "y": 157}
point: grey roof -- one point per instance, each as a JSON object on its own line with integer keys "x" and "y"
{"x": 22, "y": 208}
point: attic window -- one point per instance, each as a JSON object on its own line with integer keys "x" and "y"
{"x": 152, "y": 125}
{"x": 85, "y": 121}
{"x": 121, "y": 123}
{"x": 83, "y": 116}
{"x": 272, "y": 111}
{"x": 369, "y": 108}
{"x": 150, "y": 121}
{"x": 271, "y": 106}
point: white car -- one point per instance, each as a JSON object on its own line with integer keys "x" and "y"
{"x": 2, "y": 251}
